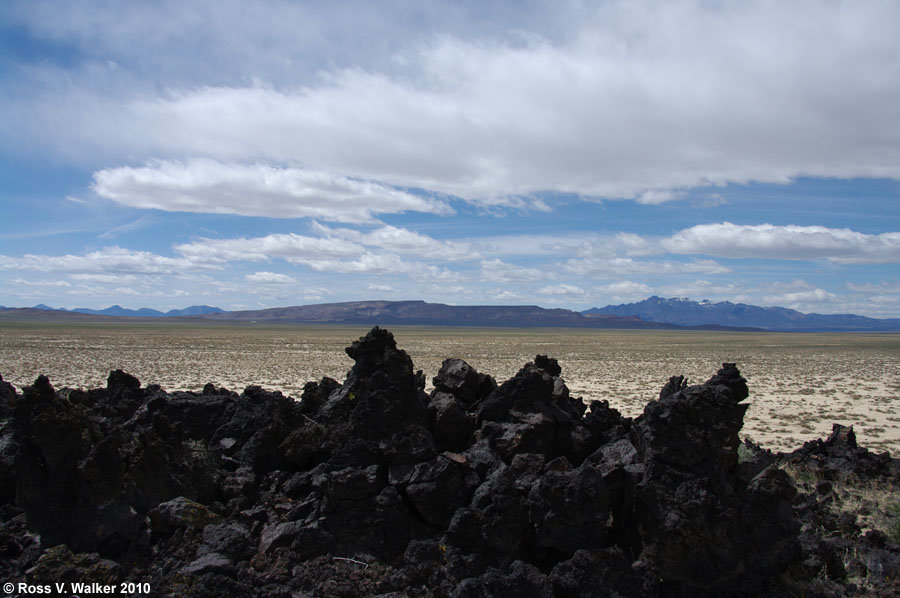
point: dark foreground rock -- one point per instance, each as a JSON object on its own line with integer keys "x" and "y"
{"x": 375, "y": 488}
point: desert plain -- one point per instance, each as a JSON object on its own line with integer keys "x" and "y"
{"x": 800, "y": 383}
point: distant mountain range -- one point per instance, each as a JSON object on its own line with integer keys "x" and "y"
{"x": 685, "y": 312}
{"x": 144, "y": 312}
{"x": 434, "y": 314}
{"x": 652, "y": 313}
{"x": 417, "y": 313}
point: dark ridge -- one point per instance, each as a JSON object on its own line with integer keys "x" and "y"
{"x": 408, "y": 313}
{"x": 684, "y": 312}
{"x": 422, "y": 313}
{"x": 371, "y": 487}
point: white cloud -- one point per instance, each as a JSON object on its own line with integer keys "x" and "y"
{"x": 269, "y": 278}
{"x": 40, "y": 283}
{"x": 816, "y": 295}
{"x": 504, "y": 295}
{"x": 291, "y": 247}
{"x": 405, "y": 242}
{"x": 623, "y": 100}
{"x": 534, "y": 245}
{"x": 702, "y": 289}
{"x": 313, "y": 297}
{"x": 209, "y": 186}
{"x": 383, "y": 263}
{"x": 111, "y": 260}
{"x": 380, "y": 288}
{"x": 600, "y": 267}
{"x": 497, "y": 270}
{"x": 797, "y": 284}
{"x": 132, "y": 292}
{"x": 624, "y": 289}
{"x": 581, "y": 243}
{"x": 632, "y": 244}
{"x": 805, "y": 300}
{"x": 335, "y": 254}
{"x": 786, "y": 242}
{"x": 118, "y": 279}
{"x": 880, "y": 287}
{"x": 658, "y": 196}
{"x": 566, "y": 291}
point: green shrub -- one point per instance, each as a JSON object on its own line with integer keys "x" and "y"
{"x": 744, "y": 453}
{"x": 893, "y": 528}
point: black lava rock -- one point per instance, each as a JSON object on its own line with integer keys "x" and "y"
{"x": 371, "y": 487}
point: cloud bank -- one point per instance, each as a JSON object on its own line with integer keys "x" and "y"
{"x": 637, "y": 100}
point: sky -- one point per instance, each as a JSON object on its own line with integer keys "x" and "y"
{"x": 565, "y": 154}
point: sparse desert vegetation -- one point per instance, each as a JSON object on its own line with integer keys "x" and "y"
{"x": 799, "y": 383}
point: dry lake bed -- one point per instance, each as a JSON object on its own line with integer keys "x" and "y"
{"x": 799, "y": 383}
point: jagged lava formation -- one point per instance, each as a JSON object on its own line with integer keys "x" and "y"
{"x": 372, "y": 487}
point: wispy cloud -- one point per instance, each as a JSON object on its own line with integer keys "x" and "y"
{"x": 385, "y": 264}
{"x": 601, "y": 267}
{"x": 380, "y": 288}
{"x": 40, "y": 283}
{"x": 269, "y": 278}
{"x": 624, "y": 290}
{"x": 566, "y": 292}
{"x": 801, "y": 298}
{"x": 405, "y": 242}
{"x": 142, "y": 222}
{"x": 290, "y": 247}
{"x": 107, "y": 260}
{"x": 879, "y": 287}
{"x": 497, "y": 270}
{"x": 98, "y": 278}
{"x": 710, "y": 200}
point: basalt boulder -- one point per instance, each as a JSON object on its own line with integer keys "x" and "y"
{"x": 706, "y": 531}
{"x": 533, "y": 413}
{"x": 839, "y": 458}
{"x": 7, "y": 398}
{"x": 461, "y": 380}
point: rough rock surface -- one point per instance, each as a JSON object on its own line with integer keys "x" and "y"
{"x": 374, "y": 488}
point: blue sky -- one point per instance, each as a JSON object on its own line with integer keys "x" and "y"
{"x": 564, "y": 154}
